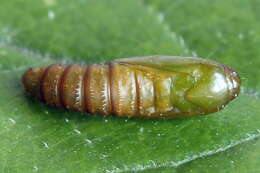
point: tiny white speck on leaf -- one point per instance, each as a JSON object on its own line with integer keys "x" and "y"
{"x": 45, "y": 145}
{"x": 103, "y": 156}
{"x": 12, "y": 120}
{"x": 77, "y": 131}
{"x": 51, "y": 14}
{"x": 88, "y": 141}
{"x": 35, "y": 168}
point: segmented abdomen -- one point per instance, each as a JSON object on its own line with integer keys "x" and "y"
{"x": 101, "y": 89}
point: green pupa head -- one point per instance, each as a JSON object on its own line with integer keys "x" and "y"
{"x": 217, "y": 86}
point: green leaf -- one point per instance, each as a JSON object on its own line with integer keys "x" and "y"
{"x": 239, "y": 159}
{"x": 242, "y": 158}
{"x": 38, "y": 138}
{"x": 91, "y": 30}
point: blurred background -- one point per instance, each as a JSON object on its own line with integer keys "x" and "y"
{"x": 37, "y": 138}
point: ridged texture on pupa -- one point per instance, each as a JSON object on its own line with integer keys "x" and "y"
{"x": 153, "y": 86}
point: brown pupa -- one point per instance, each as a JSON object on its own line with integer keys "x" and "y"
{"x": 152, "y": 86}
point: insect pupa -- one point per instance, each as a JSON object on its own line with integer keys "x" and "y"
{"x": 151, "y": 86}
